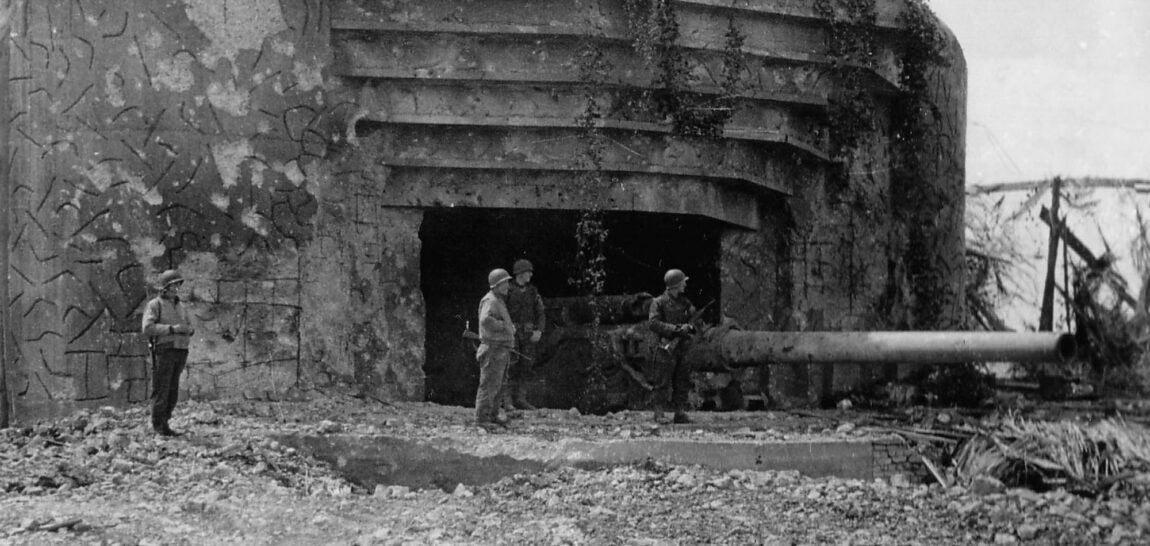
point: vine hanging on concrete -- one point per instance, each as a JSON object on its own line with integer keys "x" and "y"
{"x": 917, "y": 196}
{"x": 590, "y": 233}
{"x": 590, "y": 274}
{"x": 654, "y": 29}
{"x": 851, "y": 115}
{"x": 850, "y": 51}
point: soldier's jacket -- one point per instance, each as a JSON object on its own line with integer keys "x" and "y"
{"x": 160, "y": 314}
{"x": 668, "y": 312}
{"x": 495, "y": 326}
{"x": 526, "y": 306}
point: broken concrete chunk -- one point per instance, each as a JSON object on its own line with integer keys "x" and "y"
{"x": 986, "y": 485}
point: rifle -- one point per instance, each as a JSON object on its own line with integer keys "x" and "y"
{"x": 674, "y": 343}
{"x": 468, "y": 334}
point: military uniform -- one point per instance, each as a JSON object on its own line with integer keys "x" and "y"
{"x": 669, "y": 318}
{"x": 496, "y": 338}
{"x": 527, "y": 312}
{"x": 165, "y": 323}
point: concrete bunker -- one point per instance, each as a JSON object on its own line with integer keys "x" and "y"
{"x": 305, "y": 165}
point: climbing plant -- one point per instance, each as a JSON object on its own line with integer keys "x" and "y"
{"x": 590, "y": 273}
{"x": 851, "y": 116}
{"x": 653, "y": 26}
{"x": 850, "y": 52}
{"x": 590, "y": 232}
{"x": 654, "y": 31}
{"x": 917, "y": 197}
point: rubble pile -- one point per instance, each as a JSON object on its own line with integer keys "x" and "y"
{"x": 100, "y": 477}
{"x": 106, "y": 448}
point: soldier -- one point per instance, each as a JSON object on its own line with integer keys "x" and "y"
{"x": 526, "y": 309}
{"x": 496, "y": 338}
{"x": 669, "y": 318}
{"x": 169, "y": 333}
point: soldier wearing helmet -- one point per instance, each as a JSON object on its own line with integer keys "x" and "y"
{"x": 527, "y": 312}
{"x": 169, "y": 332}
{"x": 669, "y": 318}
{"x": 496, "y": 339}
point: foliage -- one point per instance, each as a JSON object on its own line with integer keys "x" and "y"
{"x": 1039, "y": 454}
{"x": 654, "y": 29}
{"x": 850, "y": 50}
{"x": 917, "y": 197}
{"x": 985, "y": 286}
{"x": 993, "y": 258}
{"x": 851, "y": 121}
{"x": 590, "y": 231}
{"x": 1140, "y": 250}
{"x": 923, "y": 46}
{"x": 1106, "y": 338}
{"x": 963, "y": 385}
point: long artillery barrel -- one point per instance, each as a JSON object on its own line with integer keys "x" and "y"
{"x": 720, "y": 348}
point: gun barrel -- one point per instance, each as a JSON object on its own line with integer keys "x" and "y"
{"x": 738, "y": 348}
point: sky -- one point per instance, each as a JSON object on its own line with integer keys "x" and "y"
{"x": 1056, "y": 87}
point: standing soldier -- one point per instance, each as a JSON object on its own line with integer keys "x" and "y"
{"x": 669, "y": 318}
{"x": 169, "y": 333}
{"x": 526, "y": 309}
{"x": 496, "y": 338}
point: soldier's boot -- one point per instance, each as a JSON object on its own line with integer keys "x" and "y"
{"x": 508, "y": 407}
{"x": 520, "y": 400}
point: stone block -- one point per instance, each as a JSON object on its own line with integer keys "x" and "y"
{"x": 255, "y": 381}
{"x": 366, "y": 231}
{"x": 366, "y": 210}
{"x": 286, "y": 292}
{"x": 370, "y": 251}
{"x": 96, "y": 377}
{"x": 231, "y": 291}
{"x": 205, "y": 291}
{"x": 139, "y": 390}
{"x": 261, "y": 291}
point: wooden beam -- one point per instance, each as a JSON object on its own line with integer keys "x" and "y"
{"x": 1046, "y": 316}
{"x": 1137, "y": 184}
{"x": 1087, "y": 256}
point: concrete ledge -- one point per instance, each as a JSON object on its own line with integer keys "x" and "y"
{"x": 844, "y": 459}
{"x": 446, "y": 461}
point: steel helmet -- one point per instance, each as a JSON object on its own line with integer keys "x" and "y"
{"x": 497, "y": 276}
{"x": 522, "y": 266}
{"x": 674, "y": 277}
{"x": 169, "y": 278}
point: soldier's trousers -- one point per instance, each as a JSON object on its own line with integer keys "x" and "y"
{"x": 493, "y": 361}
{"x": 519, "y": 369}
{"x": 168, "y": 364}
{"x": 673, "y": 374}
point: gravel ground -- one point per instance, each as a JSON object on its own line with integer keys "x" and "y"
{"x": 98, "y": 477}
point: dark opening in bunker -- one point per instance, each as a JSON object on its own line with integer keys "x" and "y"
{"x": 461, "y": 245}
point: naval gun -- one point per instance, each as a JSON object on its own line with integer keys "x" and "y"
{"x": 618, "y": 351}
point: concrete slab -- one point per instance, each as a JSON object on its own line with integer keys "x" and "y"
{"x": 844, "y": 459}
{"x": 371, "y": 460}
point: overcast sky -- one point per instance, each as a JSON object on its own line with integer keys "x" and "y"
{"x": 1056, "y": 87}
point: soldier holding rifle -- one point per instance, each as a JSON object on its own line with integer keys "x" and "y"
{"x": 670, "y": 318}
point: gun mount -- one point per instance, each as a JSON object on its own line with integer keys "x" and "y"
{"x": 623, "y": 349}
